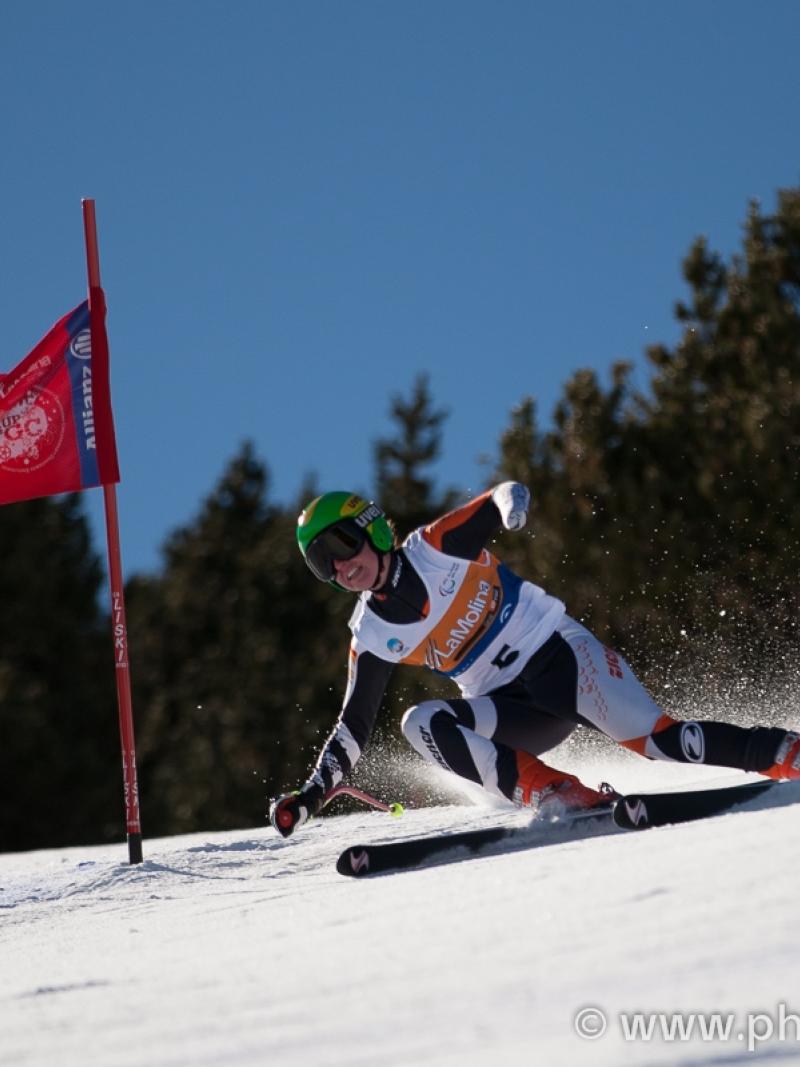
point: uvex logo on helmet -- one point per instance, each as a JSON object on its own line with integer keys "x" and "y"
{"x": 367, "y": 516}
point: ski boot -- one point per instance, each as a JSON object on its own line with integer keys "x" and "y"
{"x": 553, "y": 793}
{"x": 787, "y": 759}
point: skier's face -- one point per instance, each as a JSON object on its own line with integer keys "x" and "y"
{"x": 361, "y": 572}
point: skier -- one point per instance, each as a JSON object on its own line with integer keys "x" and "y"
{"x": 528, "y": 673}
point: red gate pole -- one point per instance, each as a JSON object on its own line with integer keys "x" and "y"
{"x": 119, "y": 625}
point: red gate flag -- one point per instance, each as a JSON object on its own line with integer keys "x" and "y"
{"x": 56, "y": 425}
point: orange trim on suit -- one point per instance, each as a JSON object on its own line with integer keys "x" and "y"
{"x": 637, "y": 744}
{"x": 435, "y": 532}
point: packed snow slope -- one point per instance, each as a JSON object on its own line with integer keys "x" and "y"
{"x": 244, "y": 950}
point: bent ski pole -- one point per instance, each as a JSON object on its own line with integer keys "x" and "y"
{"x": 396, "y": 809}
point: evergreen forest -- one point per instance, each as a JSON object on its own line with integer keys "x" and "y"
{"x": 666, "y": 516}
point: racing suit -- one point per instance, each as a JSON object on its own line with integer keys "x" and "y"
{"x": 528, "y": 673}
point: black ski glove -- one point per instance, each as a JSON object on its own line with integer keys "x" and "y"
{"x": 293, "y": 809}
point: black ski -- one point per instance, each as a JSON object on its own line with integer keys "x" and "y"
{"x": 358, "y": 861}
{"x": 640, "y": 811}
{"x": 634, "y": 811}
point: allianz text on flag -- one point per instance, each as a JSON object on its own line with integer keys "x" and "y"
{"x": 56, "y": 424}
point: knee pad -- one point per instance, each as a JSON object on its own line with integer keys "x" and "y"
{"x": 418, "y": 729}
{"x": 418, "y": 715}
{"x": 422, "y": 715}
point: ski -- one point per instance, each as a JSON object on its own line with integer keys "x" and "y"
{"x": 634, "y": 811}
{"x": 641, "y": 811}
{"x": 359, "y": 861}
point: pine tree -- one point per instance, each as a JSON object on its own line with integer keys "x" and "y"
{"x": 234, "y": 667}
{"x": 657, "y": 515}
{"x": 406, "y": 491}
{"x": 724, "y": 421}
{"x": 60, "y": 781}
{"x": 403, "y": 485}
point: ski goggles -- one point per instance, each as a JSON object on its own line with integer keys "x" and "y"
{"x": 339, "y": 542}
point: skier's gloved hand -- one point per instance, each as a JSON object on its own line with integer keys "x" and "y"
{"x": 293, "y": 809}
{"x": 512, "y": 500}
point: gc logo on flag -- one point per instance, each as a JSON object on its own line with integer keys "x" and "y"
{"x": 31, "y": 432}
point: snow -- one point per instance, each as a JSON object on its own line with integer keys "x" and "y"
{"x": 242, "y": 949}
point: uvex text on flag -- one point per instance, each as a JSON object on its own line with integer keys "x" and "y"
{"x": 56, "y": 425}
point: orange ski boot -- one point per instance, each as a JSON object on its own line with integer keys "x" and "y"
{"x": 554, "y": 793}
{"x": 787, "y": 759}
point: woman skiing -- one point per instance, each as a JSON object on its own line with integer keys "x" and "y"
{"x": 528, "y": 673}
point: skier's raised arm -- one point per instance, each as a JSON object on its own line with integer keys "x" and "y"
{"x": 465, "y": 531}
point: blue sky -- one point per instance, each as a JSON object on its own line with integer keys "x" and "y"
{"x": 302, "y": 206}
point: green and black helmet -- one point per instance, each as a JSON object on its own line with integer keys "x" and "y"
{"x": 336, "y": 526}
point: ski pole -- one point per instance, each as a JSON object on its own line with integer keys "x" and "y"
{"x": 395, "y": 809}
